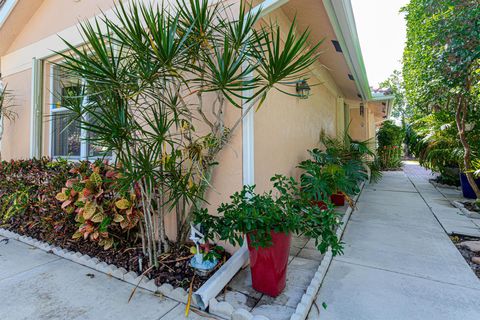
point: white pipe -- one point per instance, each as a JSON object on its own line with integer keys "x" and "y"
{"x": 222, "y": 277}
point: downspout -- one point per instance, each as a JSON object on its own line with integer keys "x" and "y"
{"x": 36, "y": 110}
{"x": 222, "y": 277}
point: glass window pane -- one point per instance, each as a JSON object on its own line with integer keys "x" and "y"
{"x": 65, "y": 135}
{"x": 97, "y": 151}
{"x": 64, "y": 86}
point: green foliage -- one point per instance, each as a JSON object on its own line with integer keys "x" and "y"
{"x": 326, "y": 174}
{"x": 283, "y": 210}
{"x": 345, "y": 149}
{"x": 14, "y": 204}
{"x": 442, "y": 75}
{"x": 390, "y": 138}
{"x": 153, "y": 75}
{"x": 27, "y": 195}
{"x": 442, "y": 52}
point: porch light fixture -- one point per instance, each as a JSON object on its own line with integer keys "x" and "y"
{"x": 362, "y": 109}
{"x": 303, "y": 89}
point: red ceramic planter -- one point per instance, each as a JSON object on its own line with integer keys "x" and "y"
{"x": 338, "y": 199}
{"x": 269, "y": 265}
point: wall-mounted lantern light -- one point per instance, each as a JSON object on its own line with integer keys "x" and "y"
{"x": 303, "y": 89}
{"x": 362, "y": 109}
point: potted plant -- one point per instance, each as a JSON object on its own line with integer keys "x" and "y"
{"x": 327, "y": 178}
{"x": 268, "y": 221}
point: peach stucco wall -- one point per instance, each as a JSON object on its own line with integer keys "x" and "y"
{"x": 286, "y": 127}
{"x": 358, "y": 124}
{"x": 55, "y": 15}
{"x": 16, "y": 135}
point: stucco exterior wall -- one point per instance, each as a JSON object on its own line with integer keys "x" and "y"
{"x": 55, "y": 15}
{"x": 285, "y": 128}
{"x": 358, "y": 124}
{"x": 16, "y": 135}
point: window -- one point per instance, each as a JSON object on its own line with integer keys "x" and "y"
{"x": 68, "y": 139}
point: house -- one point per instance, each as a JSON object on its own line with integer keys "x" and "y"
{"x": 273, "y": 140}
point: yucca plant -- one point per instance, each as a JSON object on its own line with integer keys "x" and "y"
{"x": 158, "y": 80}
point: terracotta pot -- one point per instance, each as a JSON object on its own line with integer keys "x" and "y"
{"x": 338, "y": 199}
{"x": 269, "y": 265}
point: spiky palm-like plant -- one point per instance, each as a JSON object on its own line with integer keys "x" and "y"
{"x": 158, "y": 81}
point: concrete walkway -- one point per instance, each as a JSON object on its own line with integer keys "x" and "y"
{"x": 399, "y": 263}
{"x": 41, "y": 286}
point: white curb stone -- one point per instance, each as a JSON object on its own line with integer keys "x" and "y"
{"x": 129, "y": 277}
{"x": 148, "y": 284}
{"x": 165, "y": 289}
{"x": 241, "y": 314}
{"x": 119, "y": 273}
{"x": 102, "y": 267}
{"x": 222, "y": 308}
{"x": 179, "y": 294}
{"x": 92, "y": 263}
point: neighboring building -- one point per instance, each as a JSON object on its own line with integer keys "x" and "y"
{"x": 274, "y": 140}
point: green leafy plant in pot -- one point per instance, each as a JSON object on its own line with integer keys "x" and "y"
{"x": 327, "y": 178}
{"x": 268, "y": 221}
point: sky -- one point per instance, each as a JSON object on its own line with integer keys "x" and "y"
{"x": 381, "y": 30}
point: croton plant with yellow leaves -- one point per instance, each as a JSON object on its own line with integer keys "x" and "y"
{"x": 100, "y": 210}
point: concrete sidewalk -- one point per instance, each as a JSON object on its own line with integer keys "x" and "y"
{"x": 37, "y": 285}
{"x": 398, "y": 263}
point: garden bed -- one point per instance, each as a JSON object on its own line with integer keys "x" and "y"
{"x": 174, "y": 266}
{"x": 29, "y": 206}
{"x": 468, "y": 254}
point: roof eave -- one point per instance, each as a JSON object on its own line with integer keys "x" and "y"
{"x": 342, "y": 20}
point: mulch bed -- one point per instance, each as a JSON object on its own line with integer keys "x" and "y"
{"x": 174, "y": 266}
{"x": 466, "y": 253}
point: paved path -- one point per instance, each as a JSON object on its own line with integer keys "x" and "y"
{"x": 35, "y": 285}
{"x": 438, "y": 199}
{"x": 399, "y": 263}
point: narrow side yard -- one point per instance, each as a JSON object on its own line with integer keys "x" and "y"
{"x": 399, "y": 262}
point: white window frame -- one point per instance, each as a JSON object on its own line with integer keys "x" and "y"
{"x": 83, "y": 133}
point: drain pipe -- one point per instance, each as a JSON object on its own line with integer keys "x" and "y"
{"x": 222, "y": 277}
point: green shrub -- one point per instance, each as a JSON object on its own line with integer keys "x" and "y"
{"x": 390, "y": 138}
{"x": 326, "y": 174}
{"x": 283, "y": 210}
{"x": 27, "y": 194}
